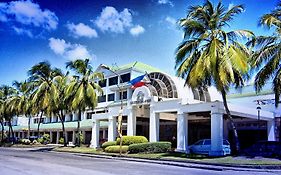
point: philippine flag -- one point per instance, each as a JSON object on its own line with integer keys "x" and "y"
{"x": 139, "y": 81}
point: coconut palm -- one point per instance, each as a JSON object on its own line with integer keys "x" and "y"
{"x": 83, "y": 92}
{"x": 8, "y": 110}
{"x": 22, "y": 100}
{"x": 267, "y": 57}
{"x": 1, "y": 115}
{"x": 45, "y": 94}
{"x": 211, "y": 55}
{"x": 61, "y": 108}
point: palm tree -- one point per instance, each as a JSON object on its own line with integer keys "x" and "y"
{"x": 83, "y": 92}
{"x": 267, "y": 57}
{"x": 61, "y": 108}
{"x": 1, "y": 115}
{"x": 45, "y": 94}
{"x": 8, "y": 109}
{"x": 211, "y": 55}
{"x": 22, "y": 100}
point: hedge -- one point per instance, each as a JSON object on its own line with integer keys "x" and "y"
{"x": 116, "y": 149}
{"x": 25, "y": 141}
{"x": 128, "y": 140}
{"x": 151, "y": 147}
{"x": 106, "y": 144}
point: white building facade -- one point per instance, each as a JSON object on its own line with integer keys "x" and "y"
{"x": 165, "y": 108}
{"x": 160, "y": 110}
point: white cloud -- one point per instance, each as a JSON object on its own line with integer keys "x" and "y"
{"x": 230, "y": 5}
{"x": 137, "y": 30}
{"x": 113, "y": 21}
{"x": 171, "y": 20}
{"x": 59, "y": 46}
{"x": 168, "y": 2}
{"x": 81, "y": 30}
{"x": 21, "y": 31}
{"x": 68, "y": 50}
{"x": 29, "y": 14}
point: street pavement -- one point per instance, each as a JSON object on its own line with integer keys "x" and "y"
{"x": 28, "y": 162}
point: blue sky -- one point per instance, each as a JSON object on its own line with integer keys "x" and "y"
{"x": 109, "y": 32}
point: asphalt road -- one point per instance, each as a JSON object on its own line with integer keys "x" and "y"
{"x": 23, "y": 162}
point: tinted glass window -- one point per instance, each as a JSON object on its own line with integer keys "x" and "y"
{"x": 89, "y": 115}
{"x": 110, "y": 97}
{"x": 124, "y": 95}
{"x": 207, "y": 142}
{"x": 102, "y": 99}
{"x": 113, "y": 81}
{"x": 199, "y": 143}
{"x": 125, "y": 77}
{"x": 102, "y": 83}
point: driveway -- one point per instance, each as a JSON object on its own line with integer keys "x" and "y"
{"x": 27, "y": 162}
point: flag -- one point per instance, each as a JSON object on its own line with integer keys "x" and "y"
{"x": 139, "y": 81}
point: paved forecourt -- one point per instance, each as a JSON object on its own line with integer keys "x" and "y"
{"x": 24, "y": 162}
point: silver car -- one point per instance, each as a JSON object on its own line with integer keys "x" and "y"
{"x": 204, "y": 147}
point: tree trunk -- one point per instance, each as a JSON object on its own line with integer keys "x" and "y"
{"x": 233, "y": 127}
{"x": 39, "y": 122}
{"x": 29, "y": 121}
{"x": 12, "y": 131}
{"x": 78, "y": 128}
{"x": 2, "y": 131}
{"x": 62, "y": 118}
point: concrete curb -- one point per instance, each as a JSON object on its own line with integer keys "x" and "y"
{"x": 187, "y": 164}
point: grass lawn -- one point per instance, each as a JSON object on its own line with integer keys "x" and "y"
{"x": 181, "y": 157}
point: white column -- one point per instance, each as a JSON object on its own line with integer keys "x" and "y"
{"x": 95, "y": 134}
{"x": 153, "y": 126}
{"x": 271, "y": 130}
{"x": 182, "y": 132}
{"x": 66, "y": 136}
{"x": 216, "y": 132}
{"x": 111, "y": 128}
{"x": 132, "y": 122}
{"x": 51, "y": 136}
{"x": 58, "y": 137}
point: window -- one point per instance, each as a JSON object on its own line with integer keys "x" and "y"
{"x": 102, "y": 83}
{"x": 101, "y": 98}
{"x": 124, "y": 95}
{"x": 199, "y": 142}
{"x": 89, "y": 115}
{"x": 207, "y": 142}
{"x": 71, "y": 117}
{"x": 125, "y": 78}
{"x": 113, "y": 81}
{"x": 110, "y": 97}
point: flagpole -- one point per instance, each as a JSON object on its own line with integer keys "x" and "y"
{"x": 120, "y": 115}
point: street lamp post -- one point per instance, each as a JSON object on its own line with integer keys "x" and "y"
{"x": 120, "y": 115}
{"x": 258, "y": 109}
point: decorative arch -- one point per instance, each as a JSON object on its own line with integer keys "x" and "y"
{"x": 163, "y": 84}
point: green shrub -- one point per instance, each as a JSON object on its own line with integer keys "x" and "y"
{"x": 25, "y": 141}
{"x": 116, "y": 149}
{"x": 106, "y": 144}
{"x": 152, "y": 147}
{"x": 61, "y": 140}
{"x": 35, "y": 142}
{"x": 40, "y": 140}
{"x": 46, "y": 138}
{"x": 128, "y": 140}
{"x": 81, "y": 136}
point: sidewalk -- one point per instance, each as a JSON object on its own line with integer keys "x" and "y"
{"x": 188, "y": 164}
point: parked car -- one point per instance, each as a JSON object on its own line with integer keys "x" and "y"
{"x": 204, "y": 147}
{"x": 264, "y": 149}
